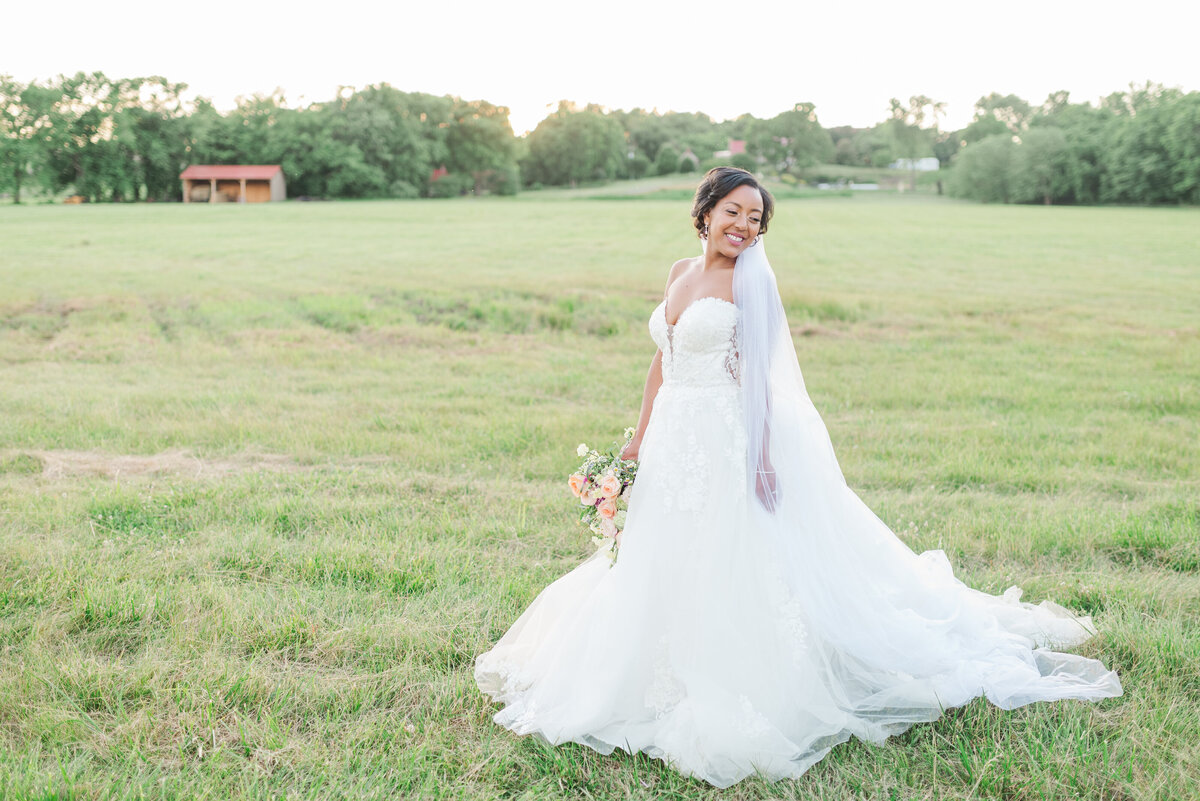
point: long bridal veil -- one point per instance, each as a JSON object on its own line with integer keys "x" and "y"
{"x": 742, "y": 631}
{"x": 901, "y": 636}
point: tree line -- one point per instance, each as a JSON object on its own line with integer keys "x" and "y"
{"x": 128, "y": 139}
{"x": 1136, "y": 147}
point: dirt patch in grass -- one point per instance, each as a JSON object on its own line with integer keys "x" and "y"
{"x": 67, "y": 463}
{"x": 813, "y": 330}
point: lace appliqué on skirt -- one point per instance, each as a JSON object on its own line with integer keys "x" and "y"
{"x": 665, "y": 691}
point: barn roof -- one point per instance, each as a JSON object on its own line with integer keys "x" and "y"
{"x": 230, "y": 172}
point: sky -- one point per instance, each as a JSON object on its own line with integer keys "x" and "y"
{"x": 721, "y": 58}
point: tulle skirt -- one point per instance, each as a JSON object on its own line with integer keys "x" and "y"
{"x": 729, "y": 641}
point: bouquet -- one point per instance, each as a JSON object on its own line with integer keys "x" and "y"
{"x": 600, "y": 484}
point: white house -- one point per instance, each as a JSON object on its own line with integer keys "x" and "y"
{"x": 927, "y": 164}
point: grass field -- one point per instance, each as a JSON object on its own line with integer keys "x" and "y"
{"x": 271, "y": 476}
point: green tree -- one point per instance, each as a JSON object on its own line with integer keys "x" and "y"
{"x": 1014, "y": 112}
{"x": 25, "y": 120}
{"x": 480, "y": 142}
{"x": 152, "y": 137}
{"x": 982, "y": 171}
{"x": 1150, "y": 157}
{"x": 573, "y": 145}
{"x": 639, "y": 166}
{"x": 996, "y": 114}
{"x": 321, "y": 159}
{"x": 946, "y": 145}
{"x": 667, "y": 161}
{"x": 210, "y": 136}
{"x": 981, "y": 128}
{"x": 1086, "y": 131}
{"x": 82, "y": 152}
{"x": 1039, "y": 171}
{"x": 877, "y": 146}
{"x": 1182, "y": 139}
{"x": 845, "y": 150}
{"x": 791, "y": 141}
{"x": 692, "y": 131}
{"x": 911, "y": 140}
{"x": 648, "y": 132}
{"x": 401, "y": 136}
{"x": 645, "y": 130}
{"x": 738, "y": 128}
{"x": 744, "y": 161}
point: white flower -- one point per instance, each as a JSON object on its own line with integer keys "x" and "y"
{"x": 581, "y": 450}
{"x": 629, "y": 432}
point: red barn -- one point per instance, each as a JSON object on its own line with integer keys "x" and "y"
{"x": 233, "y": 183}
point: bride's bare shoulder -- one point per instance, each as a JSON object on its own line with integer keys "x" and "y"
{"x": 679, "y": 268}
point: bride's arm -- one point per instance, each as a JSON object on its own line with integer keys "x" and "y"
{"x": 653, "y": 382}
{"x": 653, "y": 376}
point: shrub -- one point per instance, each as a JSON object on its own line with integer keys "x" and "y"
{"x": 983, "y": 170}
{"x": 451, "y": 185}
{"x": 667, "y": 161}
{"x": 507, "y": 181}
{"x": 1040, "y": 167}
{"x": 639, "y": 166}
{"x": 403, "y": 189}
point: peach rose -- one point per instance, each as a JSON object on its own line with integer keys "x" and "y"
{"x": 607, "y": 508}
{"x": 608, "y": 528}
{"x": 588, "y": 495}
{"x": 576, "y": 482}
{"x": 610, "y": 486}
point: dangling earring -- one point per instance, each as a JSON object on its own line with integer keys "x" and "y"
{"x": 704, "y": 233}
{"x": 756, "y": 239}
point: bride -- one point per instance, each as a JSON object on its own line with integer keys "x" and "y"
{"x": 759, "y": 613}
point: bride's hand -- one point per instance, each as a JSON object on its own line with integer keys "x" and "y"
{"x": 630, "y": 451}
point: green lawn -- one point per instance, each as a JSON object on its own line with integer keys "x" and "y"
{"x": 271, "y": 476}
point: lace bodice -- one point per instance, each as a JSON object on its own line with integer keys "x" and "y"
{"x": 701, "y": 349}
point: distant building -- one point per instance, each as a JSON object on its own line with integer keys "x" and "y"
{"x": 927, "y": 164}
{"x": 736, "y": 146}
{"x": 233, "y": 183}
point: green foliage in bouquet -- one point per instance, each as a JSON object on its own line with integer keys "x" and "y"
{"x": 600, "y": 484}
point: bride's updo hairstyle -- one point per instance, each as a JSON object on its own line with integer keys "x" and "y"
{"x": 719, "y": 182}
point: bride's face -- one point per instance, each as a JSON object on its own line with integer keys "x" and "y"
{"x": 735, "y": 220}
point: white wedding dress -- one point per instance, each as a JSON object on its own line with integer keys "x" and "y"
{"x": 728, "y": 640}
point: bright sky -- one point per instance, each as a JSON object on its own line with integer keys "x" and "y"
{"x": 724, "y": 59}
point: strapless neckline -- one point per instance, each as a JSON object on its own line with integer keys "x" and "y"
{"x": 663, "y": 306}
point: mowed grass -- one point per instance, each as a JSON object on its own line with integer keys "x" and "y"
{"x": 272, "y": 476}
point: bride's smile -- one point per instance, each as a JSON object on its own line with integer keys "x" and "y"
{"x": 735, "y": 221}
